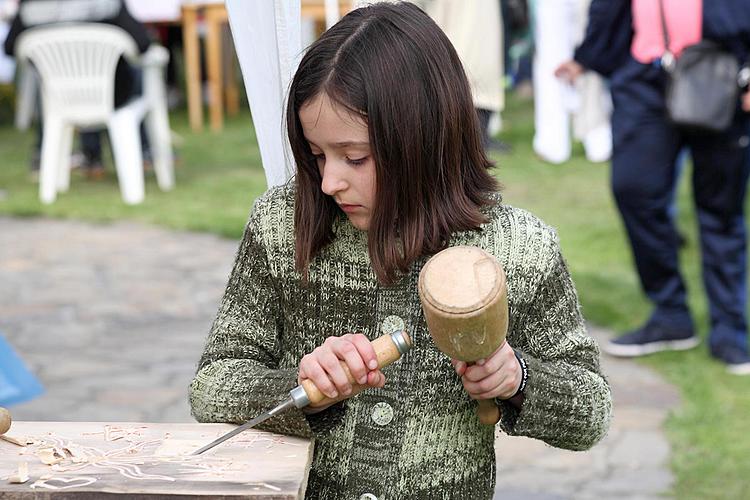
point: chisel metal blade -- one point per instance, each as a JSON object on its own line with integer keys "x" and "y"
{"x": 247, "y": 425}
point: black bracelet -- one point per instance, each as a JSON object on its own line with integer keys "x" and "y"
{"x": 524, "y": 373}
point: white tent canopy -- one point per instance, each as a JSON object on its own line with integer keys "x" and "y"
{"x": 267, "y": 36}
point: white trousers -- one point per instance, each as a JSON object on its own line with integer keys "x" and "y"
{"x": 558, "y": 27}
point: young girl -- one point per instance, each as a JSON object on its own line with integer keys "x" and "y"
{"x": 390, "y": 170}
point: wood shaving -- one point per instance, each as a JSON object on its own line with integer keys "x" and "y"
{"x": 21, "y": 476}
{"x": 76, "y": 453}
{"x": 50, "y": 456}
{"x": 113, "y": 432}
{"x": 19, "y": 441}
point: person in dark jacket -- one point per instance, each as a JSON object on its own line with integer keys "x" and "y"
{"x": 624, "y": 42}
{"x": 32, "y": 13}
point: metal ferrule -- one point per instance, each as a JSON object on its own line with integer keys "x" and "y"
{"x": 401, "y": 343}
{"x": 299, "y": 396}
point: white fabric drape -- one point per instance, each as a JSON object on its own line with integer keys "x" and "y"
{"x": 267, "y": 37}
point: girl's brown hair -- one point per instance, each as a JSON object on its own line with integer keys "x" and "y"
{"x": 394, "y": 67}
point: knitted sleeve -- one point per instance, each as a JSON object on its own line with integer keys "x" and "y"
{"x": 238, "y": 375}
{"x": 567, "y": 403}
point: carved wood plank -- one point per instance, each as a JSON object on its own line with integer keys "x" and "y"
{"x": 144, "y": 461}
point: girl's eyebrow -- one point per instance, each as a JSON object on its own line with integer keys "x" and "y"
{"x": 343, "y": 144}
{"x": 346, "y": 144}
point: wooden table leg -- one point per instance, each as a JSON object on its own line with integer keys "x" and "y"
{"x": 231, "y": 89}
{"x": 213, "y": 63}
{"x": 192, "y": 66}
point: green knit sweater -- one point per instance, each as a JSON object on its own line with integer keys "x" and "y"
{"x": 419, "y": 436}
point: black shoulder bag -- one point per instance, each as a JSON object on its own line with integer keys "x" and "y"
{"x": 702, "y": 87}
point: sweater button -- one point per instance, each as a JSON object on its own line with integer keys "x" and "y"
{"x": 382, "y": 413}
{"x": 392, "y": 324}
{"x": 367, "y": 496}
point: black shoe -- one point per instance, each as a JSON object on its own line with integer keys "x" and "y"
{"x": 649, "y": 339}
{"x": 736, "y": 358}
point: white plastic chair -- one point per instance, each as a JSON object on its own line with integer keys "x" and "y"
{"x": 76, "y": 66}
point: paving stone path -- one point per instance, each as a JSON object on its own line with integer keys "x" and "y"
{"x": 112, "y": 318}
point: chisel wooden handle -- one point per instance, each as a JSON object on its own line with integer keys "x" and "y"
{"x": 386, "y": 350}
{"x": 4, "y": 420}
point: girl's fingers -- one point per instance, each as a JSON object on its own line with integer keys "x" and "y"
{"x": 366, "y": 351}
{"x": 482, "y": 386}
{"x": 330, "y": 363}
{"x": 495, "y": 362}
{"x": 459, "y": 366}
{"x": 376, "y": 378}
{"x": 324, "y": 367}
{"x": 494, "y": 393}
{"x": 502, "y": 384}
{"x": 348, "y": 353}
{"x": 315, "y": 373}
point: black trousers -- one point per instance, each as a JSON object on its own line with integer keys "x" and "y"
{"x": 644, "y": 175}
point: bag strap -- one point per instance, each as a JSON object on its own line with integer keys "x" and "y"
{"x": 667, "y": 57}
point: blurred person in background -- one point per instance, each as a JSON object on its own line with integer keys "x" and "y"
{"x": 624, "y": 41}
{"x": 558, "y": 26}
{"x": 128, "y": 84}
{"x": 518, "y": 46}
{"x": 8, "y": 9}
{"x": 476, "y": 31}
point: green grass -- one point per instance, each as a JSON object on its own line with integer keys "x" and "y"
{"x": 219, "y": 175}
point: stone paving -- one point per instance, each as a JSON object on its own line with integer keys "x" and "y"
{"x": 112, "y": 318}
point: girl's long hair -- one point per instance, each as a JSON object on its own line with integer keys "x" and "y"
{"x": 394, "y": 67}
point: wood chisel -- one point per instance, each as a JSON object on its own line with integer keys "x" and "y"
{"x": 388, "y": 349}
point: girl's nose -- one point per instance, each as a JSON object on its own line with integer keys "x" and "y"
{"x": 333, "y": 181}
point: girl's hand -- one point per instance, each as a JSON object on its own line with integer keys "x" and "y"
{"x": 498, "y": 376}
{"x": 323, "y": 368}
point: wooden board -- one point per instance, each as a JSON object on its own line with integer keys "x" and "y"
{"x": 133, "y": 460}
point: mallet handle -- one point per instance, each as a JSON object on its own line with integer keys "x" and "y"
{"x": 488, "y": 412}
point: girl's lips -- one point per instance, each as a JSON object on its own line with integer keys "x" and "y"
{"x": 349, "y": 208}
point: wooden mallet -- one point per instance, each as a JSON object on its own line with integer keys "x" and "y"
{"x": 4, "y": 420}
{"x": 465, "y": 301}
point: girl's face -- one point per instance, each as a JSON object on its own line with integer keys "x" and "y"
{"x": 340, "y": 143}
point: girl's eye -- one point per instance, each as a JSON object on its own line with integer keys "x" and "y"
{"x": 355, "y": 161}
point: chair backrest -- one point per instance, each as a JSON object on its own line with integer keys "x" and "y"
{"x": 76, "y": 63}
